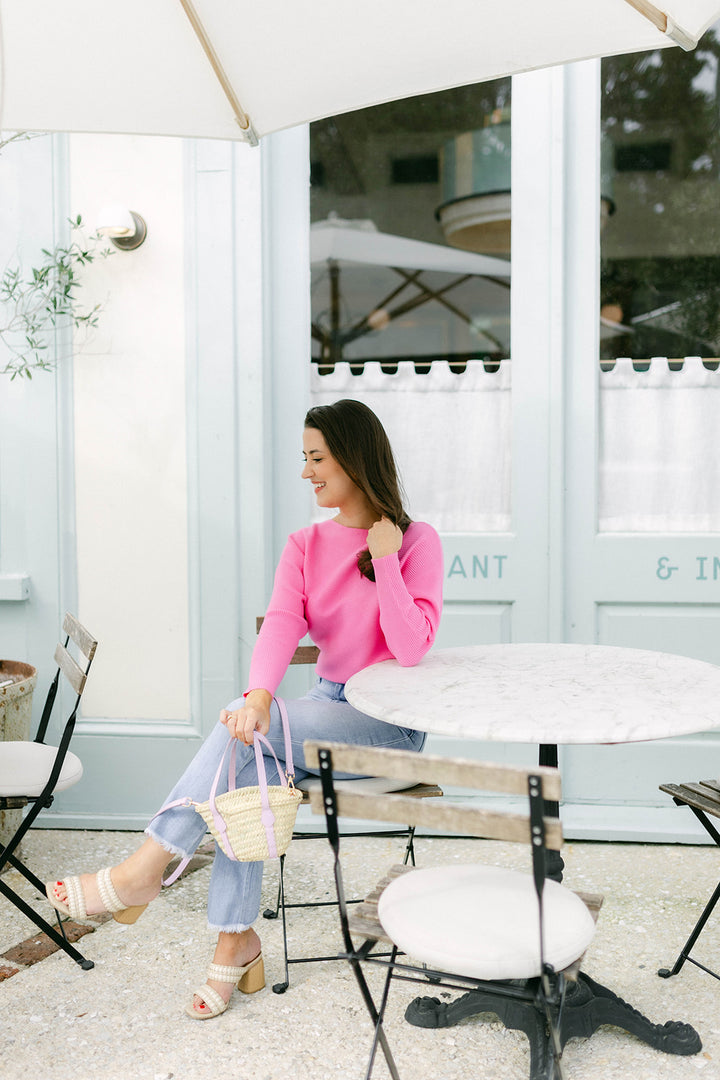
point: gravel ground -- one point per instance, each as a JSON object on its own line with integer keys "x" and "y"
{"x": 124, "y": 1019}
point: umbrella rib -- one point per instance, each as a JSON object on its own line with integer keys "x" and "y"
{"x": 656, "y": 17}
{"x": 243, "y": 120}
{"x": 664, "y": 23}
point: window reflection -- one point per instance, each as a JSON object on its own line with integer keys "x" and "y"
{"x": 659, "y": 470}
{"x": 660, "y": 281}
{"x": 396, "y": 171}
{"x": 411, "y": 290}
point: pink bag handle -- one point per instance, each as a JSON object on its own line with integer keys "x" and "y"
{"x": 267, "y": 816}
{"x": 289, "y": 766}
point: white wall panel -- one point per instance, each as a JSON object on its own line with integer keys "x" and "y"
{"x": 686, "y": 629}
{"x": 474, "y": 624}
{"x": 130, "y": 449}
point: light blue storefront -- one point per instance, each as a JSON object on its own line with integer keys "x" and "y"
{"x": 237, "y": 241}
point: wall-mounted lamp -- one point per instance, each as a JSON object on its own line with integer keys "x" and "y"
{"x": 124, "y": 228}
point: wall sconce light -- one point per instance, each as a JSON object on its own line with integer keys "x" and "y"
{"x": 124, "y": 228}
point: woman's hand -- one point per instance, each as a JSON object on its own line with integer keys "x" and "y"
{"x": 253, "y": 716}
{"x": 384, "y": 538}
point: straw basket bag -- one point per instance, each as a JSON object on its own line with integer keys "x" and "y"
{"x": 250, "y": 824}
{"x": 253, "y": 823}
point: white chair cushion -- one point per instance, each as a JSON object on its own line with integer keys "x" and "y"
{"x": 482, "y": 921}
{"x": 26, "y": 766}
{"x": 365, "y": 785}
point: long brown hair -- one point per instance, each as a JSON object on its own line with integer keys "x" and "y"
{"x": 358, "y": 442}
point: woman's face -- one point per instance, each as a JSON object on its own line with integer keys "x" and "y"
{"x": 331, "y": 484}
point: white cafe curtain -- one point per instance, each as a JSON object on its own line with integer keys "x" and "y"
{"x": 450, "y": 434}
{"x": 660, "y": 448}
{"x": 659, "y": 443}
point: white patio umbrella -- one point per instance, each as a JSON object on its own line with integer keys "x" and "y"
{"x": 355, "y": 242}
{"x": 234, "y": 69}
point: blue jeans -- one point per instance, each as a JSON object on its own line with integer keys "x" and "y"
{"x": 324, "y": 714}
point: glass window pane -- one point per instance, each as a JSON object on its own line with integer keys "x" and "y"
{"x": 660, "y": 290}
{"x": 410, "y": 242}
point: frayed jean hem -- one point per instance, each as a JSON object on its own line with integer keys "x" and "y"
{"x": 239, "y": 928}
{"x": 171, "y": 849}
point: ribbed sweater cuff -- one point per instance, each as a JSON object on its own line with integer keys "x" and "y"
{"x": 387, "y": 568}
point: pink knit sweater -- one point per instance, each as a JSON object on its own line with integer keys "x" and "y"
{"x": 354, "y": 622}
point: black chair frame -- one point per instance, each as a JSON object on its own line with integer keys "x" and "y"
{"x": 77, "y": 677}
{"x": 281, "y": 904}
{"x": 702, "y": 798}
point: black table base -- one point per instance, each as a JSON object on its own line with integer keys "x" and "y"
{"x": 588, "y": 1006}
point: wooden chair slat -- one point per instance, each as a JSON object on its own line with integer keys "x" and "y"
{"x": 85, "y": 642}
{"x": 363, "y": 918}
{"x": 443, "y": 816}
{"x": 696, "y": 795}
{"x": 419, "y": 791}
{"x": 70, "y": 669}
{"x": 702, "y": 791}
{"x": 305, "y": 654}
{"x": 424, "y": 791}
{"x": 428, "y": 768}
{"x": 12, "y": 802}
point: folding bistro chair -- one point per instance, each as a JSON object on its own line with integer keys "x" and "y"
{"x": 703, "y": 799}
{"x": 308, "y": 654}
{"x": 31, "y": 773}
{"x": 514, "y": 939}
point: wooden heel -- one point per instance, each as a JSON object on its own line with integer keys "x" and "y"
{"x": 253, "y": 979}
{"x": 129, "y": 914}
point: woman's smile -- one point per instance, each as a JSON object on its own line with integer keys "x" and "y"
{"x": 331, "y": 484}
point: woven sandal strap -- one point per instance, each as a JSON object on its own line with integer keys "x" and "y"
{"x": 111, "y": 900}
{"x": 212, "y": 998}
{"x": 226, "y": 973}
{"x": 75, "y": 898}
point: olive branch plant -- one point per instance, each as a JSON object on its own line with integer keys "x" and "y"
{"x": 35, "y": 304}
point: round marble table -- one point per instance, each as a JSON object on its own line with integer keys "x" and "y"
{"x": 544, "y": 693}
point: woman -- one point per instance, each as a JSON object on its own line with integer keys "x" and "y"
{"x": 367, "y": 586}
